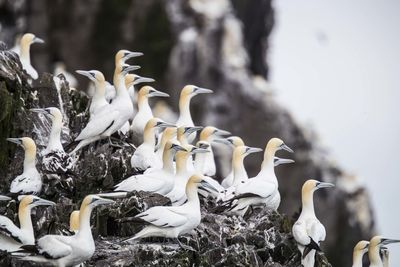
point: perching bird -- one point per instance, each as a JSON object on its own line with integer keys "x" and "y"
{"x": 375, "y": 245}
{"x": 144, "y": 113}
{"x": 185, "y": 116}
{"x": 55, "y": 160}
{"x": 145, "y": 156}
{"x": 98, "y": 101}
{"x": 12, "y": 237}
{"x": 65, "y": 251}
{"x": 208, "y": 134}
{"x": 133, "y": 79}
{"x": 24, "y": 53}
{"x": 182, "y": 175}
{"x": 358, "y": 252}
{"x": 30, "y": 181}
{"x": 173, "y": 222}
{"x": 112, "y": 117}
{"x": 167, "y": 135}
{"x": 158, "y": 181}
{"x": 308, "y": 231}
{"x": 233, "y": 142}
{"x": 263, "y": 189}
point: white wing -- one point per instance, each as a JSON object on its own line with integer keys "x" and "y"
{"x": 255, "y": 188}
{"x": 144, "y": 158}
{"x": 163, "y": 216}
{"x": 317, "y": 231}
{"x": 299, "y": 231}
{"x": 98, "y": 124}
{"x": 24, "y": 183}
{"x": 8, "y": 228}
{"x": 54, "y": 246}
{"x": 141, "y": 183}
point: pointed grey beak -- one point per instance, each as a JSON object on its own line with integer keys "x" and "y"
{"x": 37, "y": 40}
{"x": 324, "y": 185}
{"x": 200, "y": 90}
{"x": 386, "y": 241}
{"x": 250, "y": 150}
{"x": 39, "y": 110}
{"x": 143, "y": 80}
{"x": 193, "y": 129}
{"x": 158, "y": 93}
{"x": 207, "y": 186}
{"x": 178, "y": 147}
{"x": 165, "y": 125}
{"x": 44, "y": 202}
{"x": 279, "y": 161}
{"x": 222, "y": 141}
{"x": 86, "y": 73}
{"x": 132, "y": 54}
{"x": 222, "y": 132}
{"x": 104, "y": 201}
{"x": 4, "y": 198}
{"x": 199, "y": 150}
{"x": 128, "y": 68}
{"x": 15, "y": 140}
{"x": 285, "y": 147}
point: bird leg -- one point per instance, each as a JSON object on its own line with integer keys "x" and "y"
{"x": 186, "y": 247}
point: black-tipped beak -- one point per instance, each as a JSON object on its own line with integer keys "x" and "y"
{"x": 15, "y": 140}
{"x": 162, "y": 124}
{"x": 37, "y": 40}
{"x": 128, "y": 68}
{"x": 285, "y": 147}
{"x": 386, "y": 241}
{"x": 199, "y": 90}
{"x": 324, "y": 185}
{"x": 208, "y": 187}
{"x": 250, "y": 150}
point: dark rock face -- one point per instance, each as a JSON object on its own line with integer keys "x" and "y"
{"x": 184, "y": 43}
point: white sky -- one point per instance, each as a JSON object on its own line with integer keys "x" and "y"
{"x": 336, "y": 65}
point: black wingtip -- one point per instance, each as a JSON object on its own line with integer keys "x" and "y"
{"x": 312, "y": 245}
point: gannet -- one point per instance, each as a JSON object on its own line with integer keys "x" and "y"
{"x": 239, "y": 171}
{"x": 60, "y": 68}
{"x": 55, "y": 160}
{"x": 74, "y": 221}
{"x": 24, "y": 55}
{"x": 173, "y": 222}
{"x": 64, "y": 251}
{"x": 98, "y": 101}
{"x": 144, "y": 113}
{"x": 167, "y": 135}
{"x": 145, "y": 156}
{"x": 359, "y": 250}
{"x": 185, "y": 117}
{"x": 208, "y": 134}
{"x": 158, "y": 181}
{"x": 182, "y": 135}
{"x": 30, "y": 181}
{"x": 233, "y": 142}
{"x": 308, "y": 231}
{"x": 12, "y": 237}
{"x": 133, "y": 79}
{"x": 375, "y": 245}
{"x": 263, "y": 188}
{"x": 177, "y": 194}
{"x": 112, "y": 117}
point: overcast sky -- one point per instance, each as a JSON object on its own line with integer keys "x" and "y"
{"x": 336, "y": 65}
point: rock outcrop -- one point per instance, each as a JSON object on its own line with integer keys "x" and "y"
{"x": 215, "y": 44}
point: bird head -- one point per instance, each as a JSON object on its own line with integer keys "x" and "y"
{"x": 29, "y": 38}
{"x": 51, "y": 112}
{"x": 200, "y": 180}
{"x": 203, "y": 145}
{"x": 209, "y": 132}
{"x": 94, "y": 201}
{"x": 123, "y": 55}
{"x": 93, "y": 75}
{"x": 148, "y": 91}
{"x": 33, "y": 201}
{"x": 232, "y": 141}
{"x": 379, "y": 241}
{"x": 313, "y": 185}
{"x": 158, "y": 123}
{"x": 361, "y": 246}
{"x": 26, "y": 142}
{"x": 191, "y": 90}
{"x": 275, "y": 144}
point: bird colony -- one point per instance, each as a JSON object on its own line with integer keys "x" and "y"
{"x": 174, "y": 159}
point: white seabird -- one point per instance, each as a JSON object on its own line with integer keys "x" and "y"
{"x": 358, "y": 252}
{"x": 114, "y": 116}
{"x": 98, "y": 101}
{"x": 145, "y": 156}
{"x": 133, "y": 79}
{"x": 185, "y": 117}
{"x": 65, "y": 251}
{"x": 173, "y": 222}
{"x": 167, "y": 135}
{"x": 30, "y": 181}
{"x": 308, "y": 231}
{"x": 177, "y": 194}
{"x": 158, "y": 181}
{"x": 12, "y": 237}
{"x": 55, "y": 160}
{"x": 144, "y": 113}
{"x": 24, "y": 53}
{"x": 263, "y": 188}
{"x": 208, "y": 134}
{"x": 375, "y": 245}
